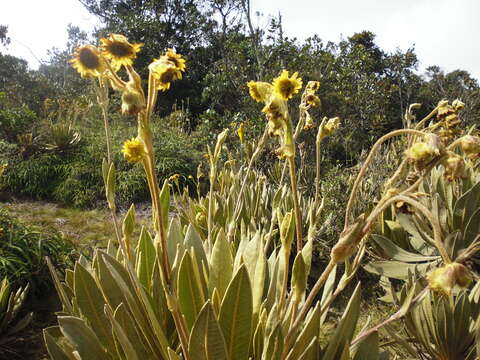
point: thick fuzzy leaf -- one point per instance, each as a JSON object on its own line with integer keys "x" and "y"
{"x": 236, "y": 316}
{"x": 190, "y": 294}
{"x": 221, "y": 265}
{"x": 397, "y": 253}
{"x": 396, "y": 269}
{"x": 192, "y": 239}
{"x": 309, "y": 333}
{"x": 90, "y": 302}
{"x": 54, "y": 350}
{"x": 206, "y": 339}
{"x": 146, "y": 256}
{"x": 82, "y": 337}
{"x": 368, "y": 348}
{"x": 344, "y": 330}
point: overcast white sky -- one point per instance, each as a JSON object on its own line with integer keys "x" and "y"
{"x": 444, "y": 32}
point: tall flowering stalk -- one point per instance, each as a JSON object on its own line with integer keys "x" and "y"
{"x": 104, "y": 63}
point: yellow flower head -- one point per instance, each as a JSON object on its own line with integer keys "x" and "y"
{"x": 133, "y": 150}
{"x": 313, "y": 86}
{"x": 88, "y": 61}
{"x": 260, "y": 91}
{"x": 444, "y": 279}
{"x": 175, "y": 58}
{"x": 285, "y": 87}
{"x": 117, "y": 48}
{"x": 165, "y": 71}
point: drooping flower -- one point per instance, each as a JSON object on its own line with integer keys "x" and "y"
{"x": 260, "y": 91}
{"x": 88, "y": 61}
{"x": 176, "y": 59}
{"x": 119, "y": 50}
{"x": 166, "y": 69}
{"x": 470, "y": 146}
{"x": 285, "y": 87}
{"x": 133, "y": 150}
{"x": 422, "y": 153}
{"x": 454, "y": 166}
{"x": 328, "y": 127}
{"x": 132, "y": 102}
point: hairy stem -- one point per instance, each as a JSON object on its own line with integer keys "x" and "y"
{"x": 375, "y": 148}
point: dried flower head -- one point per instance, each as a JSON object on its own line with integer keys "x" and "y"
{"x": 454, "y": 166}
{"x": 260, "y": 91}
{"x": 444, "y": 279}
{"x": 134, "y": 150}
{"x": 117, "y": 48}
{"x": 285, "y": 87}
{"x": 132, "y": 102}
{"x": 328, "y": 127}
{"x": 312, "y": 100}
{"x": 88, "y": 61}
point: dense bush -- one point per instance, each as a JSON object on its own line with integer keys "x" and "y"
{"x": 73, "y": 177}
{"x": 23, "y": 251}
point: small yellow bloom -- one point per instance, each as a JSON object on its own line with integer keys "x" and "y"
{"x": 176, "y": 59}
{"x": 313, "y": 86}
{"x": 3, "y": 167}
{"x": 134, "y": 150}
{"x": 117, "y": 48}
{"x": 88, "y": 61}
{"x": 285, "y": 87}
{"x": 276, "y": 111}
{"x": 241, "y": 132}
{"x": 260, "y": 91}
{"x": 165, "y": 72}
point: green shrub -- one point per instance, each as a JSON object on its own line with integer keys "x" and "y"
{"x": 23, "y": 251}
{"x": 72, "y": 177}
{"x": 14, "y": 120}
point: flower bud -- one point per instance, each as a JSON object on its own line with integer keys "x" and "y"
{"x": 458, "y": 105}
{"x": 327, "y": 128}
{"x": 470, "y": 146}
{"x": 444, "y": 279}
{"x": 132, "y": 102}
{"x": 349, "y": 239}
{"x": 422, "y": 153}
{"x": 454, "y": 166}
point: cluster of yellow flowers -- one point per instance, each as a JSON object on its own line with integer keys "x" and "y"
{"x": 116, "y": 52}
